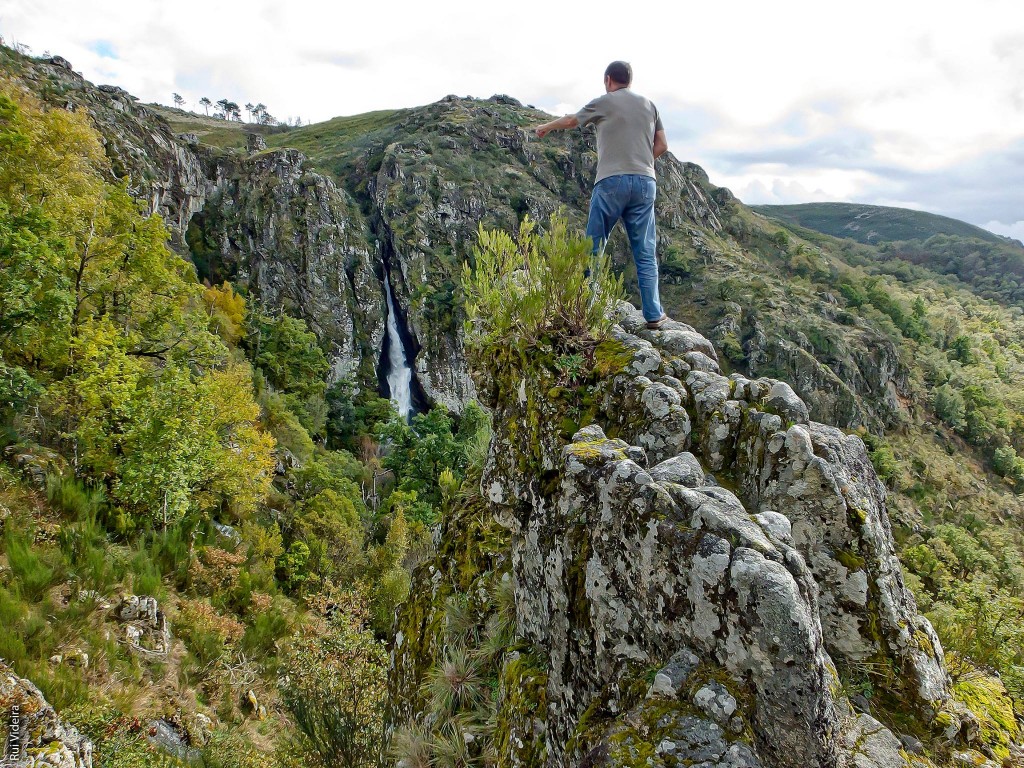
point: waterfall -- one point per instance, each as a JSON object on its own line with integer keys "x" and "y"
{"x": 399, "y": 372}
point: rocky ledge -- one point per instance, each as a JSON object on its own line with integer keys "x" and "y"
{"x": 699, "y": 573}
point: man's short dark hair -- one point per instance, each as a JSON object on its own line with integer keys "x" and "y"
{"x": 620, "y": 72}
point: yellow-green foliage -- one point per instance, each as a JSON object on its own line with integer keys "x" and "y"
{"x": 111, "y": 325}
{"x": 227, "y": 312}
{"x": 535, "y": 285}
{"x": 986, "y": 697}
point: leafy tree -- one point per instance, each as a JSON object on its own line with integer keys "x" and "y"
{"x": 206, "y": 104}
{"x": 329, "y": 525}
{"x": 179, "y": 102}
{"x": 35, "y": 287}
{"x": 949, "y": 406}
{"x": 227, "y": 312}
{"x": 288, "y": 353}
{"x": 854, "y": 294}
{"x": 137, "y": 387}
{"x": 1007, "y": 463}
{"x": 960, "y": 349}
{"x": 351, "y": 414}
{"x": 17, "y": 389}
{"x": 418, "y": 452}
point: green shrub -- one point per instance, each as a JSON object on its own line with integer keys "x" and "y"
{"x": 206, "y": 633}
{"x": 171, "y": 551}
{"x": 32, "y": 574}
{"x": 268, "y": 626}
{"x": 882, "y": 458}
{"x": 533, "y": 286}
{"x": 335, "y": 686}
{"x": 285, "y": 426}
{"x": 85, "y": 548}
{"x": 63, "y": 686}
{"x": 146, "y": 576}
{"x": 72, "y": 497}
{"x": 12, "y": 613}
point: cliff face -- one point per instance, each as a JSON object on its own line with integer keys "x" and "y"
{"x": 698, "y": 573}
{"x": 298, "y": 243}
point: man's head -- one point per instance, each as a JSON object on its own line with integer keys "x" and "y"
{"x": 619, "y": 74}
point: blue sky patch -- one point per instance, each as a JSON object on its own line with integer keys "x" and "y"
{"x": 104, "y": 48}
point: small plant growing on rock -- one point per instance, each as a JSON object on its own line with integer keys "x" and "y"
{"x": 539, "y": 285}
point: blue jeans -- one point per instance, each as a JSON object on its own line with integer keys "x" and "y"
{"x": 629, "y": 197}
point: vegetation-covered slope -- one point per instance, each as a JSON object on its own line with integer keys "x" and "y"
{"x": 872, "y": 224}
{"x": 194, "y": 564}
{"x": 903, "y": 344}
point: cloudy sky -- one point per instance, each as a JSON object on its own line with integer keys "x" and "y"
{"x": 899, "y": 102}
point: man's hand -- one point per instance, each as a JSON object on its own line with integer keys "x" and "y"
{"x": 561, "y": 124}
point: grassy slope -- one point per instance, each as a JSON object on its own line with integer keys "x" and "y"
{"x": 873, "y": 223}
{"x": 210, "y": 130}
{"x": 323, "y": 143}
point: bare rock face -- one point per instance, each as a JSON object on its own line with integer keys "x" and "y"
{"x": 33, "y": 733}
{"x": 300, "y": 244}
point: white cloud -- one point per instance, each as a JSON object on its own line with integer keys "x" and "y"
{"x": 859, "y": 107}
{"x": 1014, "y": 230}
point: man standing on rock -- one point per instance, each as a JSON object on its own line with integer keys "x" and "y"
{"x": 629, "y": 138}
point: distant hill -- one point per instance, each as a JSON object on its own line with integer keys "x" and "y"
{"x": 874, "y": 223}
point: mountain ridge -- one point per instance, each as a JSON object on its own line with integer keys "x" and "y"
{"x": 876, "y": 223}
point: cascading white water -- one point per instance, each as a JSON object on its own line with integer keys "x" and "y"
{"x": 399, "y": 372}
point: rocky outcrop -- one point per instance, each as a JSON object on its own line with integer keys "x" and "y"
{"x": 146, "y": 631}
{"x": 161, "y": 169}
{"x": 34, "y": 736}
{"x": 699, "y": 569}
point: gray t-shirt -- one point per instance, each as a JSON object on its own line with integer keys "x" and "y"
{"x": 625, "y": 123}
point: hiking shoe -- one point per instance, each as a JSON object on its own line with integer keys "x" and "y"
{"x": 656, "y": 324}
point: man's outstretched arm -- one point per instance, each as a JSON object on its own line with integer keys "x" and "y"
{"x": 561, "y": 124}
{"x": 660, "y": 144}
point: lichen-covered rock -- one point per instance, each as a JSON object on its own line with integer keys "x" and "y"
{"x": 146, "y": 630}
{"x": 615, "y": 570}
{"x": 869, "y": 744}
{"x": 692, "y": 565}
{"x": 33, "y": 734}
{"x": 35, "y": 462}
